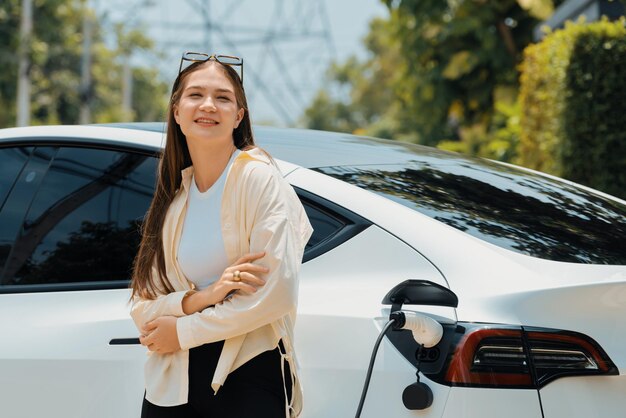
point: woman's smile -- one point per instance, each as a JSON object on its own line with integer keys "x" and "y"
{"x": 207, "y": 121}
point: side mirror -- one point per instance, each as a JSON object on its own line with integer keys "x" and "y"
{"x": 420, "y": 292}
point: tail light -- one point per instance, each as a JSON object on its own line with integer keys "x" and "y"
{"x": 489, "y": 357}
{"x": 497, "y": 356}
{"x": 557, "y": 354}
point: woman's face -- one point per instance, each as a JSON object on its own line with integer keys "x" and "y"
{"x": 207, "y": 111}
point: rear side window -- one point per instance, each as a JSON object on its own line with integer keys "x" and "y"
{"x": 324, "y": 225}
{"x": 503, "y": 205}
{"x": 332, "y": 224}
{"x": 73, "y": 215}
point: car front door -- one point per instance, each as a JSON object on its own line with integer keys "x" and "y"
{"x": 69, "y": 229}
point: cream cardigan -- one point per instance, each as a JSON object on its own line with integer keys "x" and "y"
{"x": 260, "y": 212}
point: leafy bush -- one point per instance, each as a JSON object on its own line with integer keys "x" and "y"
{"x": 573, "y": 90}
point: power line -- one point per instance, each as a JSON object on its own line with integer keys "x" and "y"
{"x": 273, "y": 43}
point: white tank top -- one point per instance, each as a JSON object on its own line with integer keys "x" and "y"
{"x": 201, "y": 253}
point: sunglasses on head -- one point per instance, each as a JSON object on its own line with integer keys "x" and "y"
{"x": 222, "y": 59}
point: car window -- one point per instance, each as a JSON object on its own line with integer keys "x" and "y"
{"x": 324, "y": 224}
{"x": 506, "y": 206}
{"x": 71, "y": 217}
{"x": 82, "y": 224}
{"x": 332, "y": 224}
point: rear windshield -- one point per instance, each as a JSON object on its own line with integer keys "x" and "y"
{"x": 503, "y": 205}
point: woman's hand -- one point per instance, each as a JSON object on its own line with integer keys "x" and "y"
{"x": 160, "y": 335}
{"x": 242, "y": 275}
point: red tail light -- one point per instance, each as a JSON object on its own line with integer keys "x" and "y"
{"x": 500, "y": 356}
{"x": 561, "y": 353}
{"x": 490, "y": 357}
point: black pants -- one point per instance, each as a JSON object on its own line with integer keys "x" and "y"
{"x": 254, "y": 390}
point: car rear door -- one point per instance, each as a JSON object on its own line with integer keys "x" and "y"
{"x": 69, "y": 229}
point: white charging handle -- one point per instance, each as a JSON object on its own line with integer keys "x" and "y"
{"x": 426, "y": 330}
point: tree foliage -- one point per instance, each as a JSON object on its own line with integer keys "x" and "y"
{"x": 55, "y": 49}
{"x": 361, "y": 96}
{"x": 440, "y": 70}
{"x": 457, "y": 54}
{"x": 573, "y": 89}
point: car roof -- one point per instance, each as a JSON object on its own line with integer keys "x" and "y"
{"x": 303, "y": 147}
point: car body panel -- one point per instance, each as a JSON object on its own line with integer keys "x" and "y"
{"x": 492, "y": 403}
{"x": 106, "y": 136}
{"x": 58, "y": 351}
{"x": 585, "y": 397}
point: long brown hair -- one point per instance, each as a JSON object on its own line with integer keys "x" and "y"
{"x": 174, "y": 158}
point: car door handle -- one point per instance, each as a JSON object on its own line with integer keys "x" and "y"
{"x": 124, "y": 341}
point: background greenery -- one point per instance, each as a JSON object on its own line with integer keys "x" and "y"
{"x": 55, "y": 52}
{"x": 439, "y": 72}
{"x": 594, "y": 140}
{"x": 462, "y": 75}
{"x": 572, "y": 95}
{"x": 447, "y": 73}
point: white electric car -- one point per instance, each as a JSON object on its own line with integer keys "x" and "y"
{"x": 537, "y": 265}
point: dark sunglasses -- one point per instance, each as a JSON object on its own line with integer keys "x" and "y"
{"x": 222, "y": 59}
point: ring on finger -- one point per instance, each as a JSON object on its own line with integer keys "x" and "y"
{"x": 237, "y": 276}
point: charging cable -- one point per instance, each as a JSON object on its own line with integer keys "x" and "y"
{"x": 426, "y": 331}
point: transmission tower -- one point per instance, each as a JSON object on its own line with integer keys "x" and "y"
{"x": 286, "y": 45}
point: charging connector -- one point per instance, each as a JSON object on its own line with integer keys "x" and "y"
{"x": 426, "y": 331}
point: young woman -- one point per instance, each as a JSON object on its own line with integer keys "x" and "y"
{"x": 215, "y": 281}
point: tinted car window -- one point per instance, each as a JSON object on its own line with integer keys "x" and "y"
{"x": 82, "y": 223}
{"x": 332, "y": 224}
{"x": 503, "y": 205}
{"x": 324, "y": 225}
{"x": 72, "y": 216}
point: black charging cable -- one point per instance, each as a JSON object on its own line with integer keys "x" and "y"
{"x": 371, "y": 366}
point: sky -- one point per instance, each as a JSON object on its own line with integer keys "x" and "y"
{"x": 287, "y": 45}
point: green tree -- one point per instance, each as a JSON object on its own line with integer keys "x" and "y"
{"x": 9, "y": 42}
{"x": 461, "y": 58}
{"x": 572, "y": 96}
{"x": 441, "y": 70}
{"x": 360, "y": 96}
{"x": 55, "y": 50}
